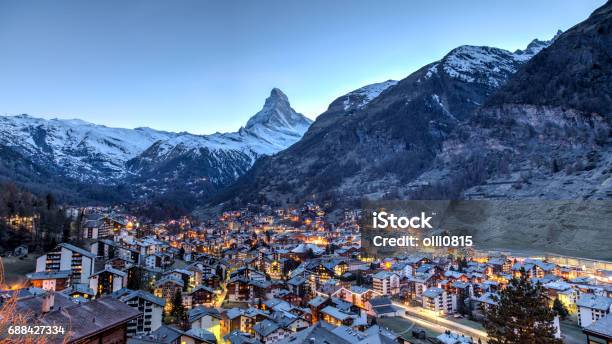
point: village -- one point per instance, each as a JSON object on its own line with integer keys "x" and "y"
{"x": 281, "y": 275}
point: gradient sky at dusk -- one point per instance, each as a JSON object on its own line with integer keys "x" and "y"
{"x": 206, "y": 66}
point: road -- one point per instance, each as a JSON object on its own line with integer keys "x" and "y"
{"x": 424, "y": 318}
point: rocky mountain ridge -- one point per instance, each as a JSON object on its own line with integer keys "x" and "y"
{"x": 378, "y": 149}
{"x": 82, "y": 152}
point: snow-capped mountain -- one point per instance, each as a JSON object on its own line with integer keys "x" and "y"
{"x": 487, "y": 65}
{"x": 221, "y": 158}
{"x": 91, "y": 153}
{"x": 277, "y": 123}
{"x": 378, "y": 138}
{"x": 84, "y": 150}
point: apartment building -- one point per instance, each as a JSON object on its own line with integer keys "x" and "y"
{"x": 67, "y": 257}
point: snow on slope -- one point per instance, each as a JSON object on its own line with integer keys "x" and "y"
{"x": 274, "y": 128}
{"x": 484, "y": 64}
{"x": 90, "y": 152}
{"x": 360, "y": 97}
{"x": 84, "y": 149}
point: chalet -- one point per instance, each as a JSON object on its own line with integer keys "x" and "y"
{"x": 316, "y": 305}
{"x": 356, "y": 295}
{"x": 535, "y": 268}
{"x": 269, "y": 331}
{"x": 200, "y": 296}
{"x": 79, "y": 291}
{"x": 484, "y": 301}
{"x": 207, "y": 319}
{"x": 50, "y": 280}
{"x": 211, "y": 280}
{"x": 158, "y": 260}
{"x": 107, "y": 317}
{"x": 171, "y": 335}
{"x": 241, "y": 289}
{"x": 243, "y": 320}
{"x": 564, "y": 292}
{"x": 248, "y": 273}
{"x": 188, "y": 277}
{"x": 92, "y": 225}
{"x": 416, "y": 285}
{"x": 299, "y": 286}
{"x": 337, "y": 317}
{"x": 499, "y": 265}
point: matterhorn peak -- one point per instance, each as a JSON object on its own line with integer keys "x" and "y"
{"x": 276, "y": 99}
{"x": 277, "y": 114}
{"x": 277, "y": 93}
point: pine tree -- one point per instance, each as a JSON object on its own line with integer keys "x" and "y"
{"x": 560, "y": 309}
{"x": 178, "y": 310}
{"x": 135, "y": 281}
{"x": 521, "y": 315}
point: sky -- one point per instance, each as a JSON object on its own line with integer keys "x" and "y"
{"x": 205, "y": 66}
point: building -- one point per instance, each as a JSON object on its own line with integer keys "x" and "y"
{"x": 323, "y": 332}
{"x": 269, "y": 331}
{"x": 382, "y": 306}
{"x": 206, "y": 319}
{"x": 592, "y": 308}
{"x": 99, "y": 321}
{"x": 171, "y": 335}
{"x": 600, "y": 331}
{"x": 243, "y": 320}
{"x": 338, "y": 317}
{"x": 68, "y": 257}
{"x": 386, "y": 283}
{"x": 50, "y": 280}
{"x": 241, "y": 289}
{"x": 107, "y": 281}
{"x": 151, "y": 310}
{"x": 200, "y": 296}
{"x": 167, "y": 287}
{"x": 439, "y": 301}
{"x": 357, "y": 295}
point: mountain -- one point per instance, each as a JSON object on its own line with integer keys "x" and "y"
{"x": 205, "y": 163}
{"x": 32, "y": 150}
{"x": 85, "y": 151}
{"x": 546, "y": 133}
{"x": 369, "y": 146}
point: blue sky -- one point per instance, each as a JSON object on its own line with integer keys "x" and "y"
{"x": 206, "y": 66}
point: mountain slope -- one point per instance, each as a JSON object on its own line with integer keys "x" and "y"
{"x": 361, "y": 149}
{"x": 202, "y": 164}
{"x": 85, "y": 151}
{"x": 77, "y": 152}
{"x": 550, "y": 124}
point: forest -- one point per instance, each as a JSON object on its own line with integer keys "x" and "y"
{"x": 28, "y": 219}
